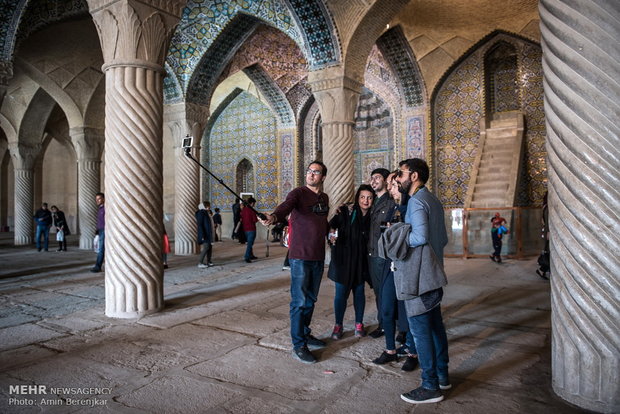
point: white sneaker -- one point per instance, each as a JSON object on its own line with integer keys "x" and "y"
{"x": 202, "y": 266}
{"x": 286, "y": 268}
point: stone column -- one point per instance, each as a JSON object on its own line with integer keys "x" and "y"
{"x": 186, "y": 119}
{"x": 337, "y": 97}
{"x": 134, "y": 37}
{"x": 24, "y": 157}
{"x": 88, "y": 143}
{"x": 582, "y": 95}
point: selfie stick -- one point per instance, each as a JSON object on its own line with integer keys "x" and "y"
{"x": 219, "y": 180}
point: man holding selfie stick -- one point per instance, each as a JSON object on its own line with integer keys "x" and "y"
{"x": 308, "y": 207}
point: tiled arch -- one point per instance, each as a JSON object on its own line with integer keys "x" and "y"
{"x": 275, "y": 97}
{"x": 307, "y": 22}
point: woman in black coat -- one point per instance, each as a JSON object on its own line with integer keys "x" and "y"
{"x": 349, "y": 262}
{"x": 60, "y": 222}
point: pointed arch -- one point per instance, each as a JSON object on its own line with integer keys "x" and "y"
{"x": 274, "y": 95}
{"x": 244, "y": 177}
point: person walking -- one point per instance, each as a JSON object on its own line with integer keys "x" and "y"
{"x": 62, "y": 228}
{"x": 308, "y": 206}
{"x": 205, "y": 235}
{"x": 349, "y": 234}
{"x": 100, "y": 200}
{"x": 217, "y": 221}
{"x": 248, "y": 222}
{"x": 43, "y": 219}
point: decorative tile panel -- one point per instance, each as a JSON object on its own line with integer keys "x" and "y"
{"x": 246, "y": 128}
{"x": 287, "y": 177}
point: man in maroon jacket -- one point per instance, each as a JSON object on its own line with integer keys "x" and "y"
{"x": 308, "y": 207}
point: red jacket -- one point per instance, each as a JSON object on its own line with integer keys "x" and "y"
{"x": 248, "y": 219}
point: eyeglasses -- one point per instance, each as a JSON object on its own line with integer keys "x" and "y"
{"x": 401, "y": 172}
{"x": 314, "y": 172}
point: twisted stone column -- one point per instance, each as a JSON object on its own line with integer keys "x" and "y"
{"x": 337, "y": 98}
{"x": 186, "y": 199}
{"x": 134, "y": 37}
{"x": 88, "y": 144}
{"x": 582, "y": 96}
{"x": 24, "y": 206}
{"x": 24, "y": 157}
{"x": 186, "y": 119}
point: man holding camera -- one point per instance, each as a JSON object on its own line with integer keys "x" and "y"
{"x": 308, "y": 207}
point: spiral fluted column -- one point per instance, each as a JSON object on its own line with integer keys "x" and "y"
{"x": 581, "y": 56}
{"x": 134, "y": 194}
{"x": 24, "y": 157}
{"x": 184, "y": 119}
{"x": 134, "y": 37}
{"x": 186, "y": 199}
{"x": 337, "y": 97}
{"x": 88, "y": 144}
{"x": 338, "y": 157}
{"x": 24, "y": 206}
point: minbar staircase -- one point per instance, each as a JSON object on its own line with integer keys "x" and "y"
{"x": 496, "y": 171}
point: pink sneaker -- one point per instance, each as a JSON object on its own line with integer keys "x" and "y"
{"x": 337, "y": 332}
{"x": 359, "y": 330}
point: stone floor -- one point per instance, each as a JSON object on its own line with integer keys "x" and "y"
{"x": 221, "y": 345}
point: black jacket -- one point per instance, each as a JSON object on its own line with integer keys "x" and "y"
{"x": 349, "y": 262}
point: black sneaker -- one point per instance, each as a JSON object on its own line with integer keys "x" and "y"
{"x": 304, "y": 355}
{"x": 410, "y": 364}
{"x": 384, "y": 358}
{"x": 421, "y": 396}
{"x": 377, "y": 333}
{"x": 314, "y": 342}
{"x": 95, "y": 270}
{"x": 401, "y": 338}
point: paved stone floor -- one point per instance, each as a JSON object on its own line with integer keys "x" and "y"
{"x": 221, "y": 345}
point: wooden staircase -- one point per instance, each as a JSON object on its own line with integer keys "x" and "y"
{"x": 494, "y": 178}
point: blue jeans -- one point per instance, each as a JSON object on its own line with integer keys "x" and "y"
{"x": 340, "y": 302}
{"x": 250, "y": 236}
{"x": 305, "y": 283}
{"x": 45, "y": 231}
{"x": 392, "y": 309}
{"x": 376, "y": 268}
{"x": 101, "y": 254}
{"x": 431, "y": 342}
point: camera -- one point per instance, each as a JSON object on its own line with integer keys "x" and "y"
{"x": 320, "y": 209}
{"x": 187, "y": 142}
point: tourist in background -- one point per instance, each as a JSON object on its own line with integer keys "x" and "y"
{"x": 205, "y": 235}
{"x": 62, "y": 228}
{"x": 100, "y": 200}
{"x": 43, "y": 219}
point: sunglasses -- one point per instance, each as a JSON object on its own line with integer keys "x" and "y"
{"x": 401, "y": 172}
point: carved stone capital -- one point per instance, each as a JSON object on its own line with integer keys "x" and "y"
{"x": 88, "y": 142}
{"x": 135, "y": 32}
{"x": 336, "y": 95}
{"x": 186, "y": 118}
{"x": 24, "y": 156}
